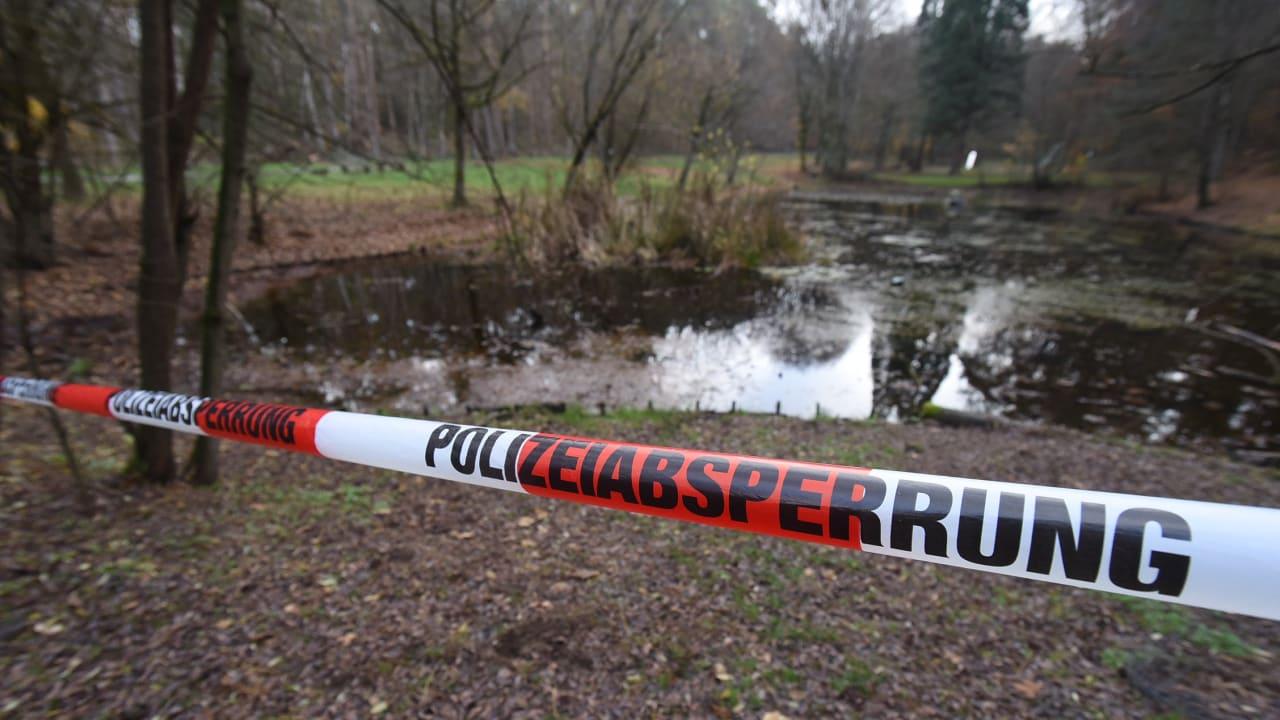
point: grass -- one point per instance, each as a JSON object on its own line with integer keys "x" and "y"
{"x": 1004, "y": 175}
{"x": 590, "y": 422}
{"x": 1176, "y": 621}
{"x": 708, "y": 224}
{"x": 945, "y": 180}
{"x": 433, "y": 179}
{"x": 857, "y": 678}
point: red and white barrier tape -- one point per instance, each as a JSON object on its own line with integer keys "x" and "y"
{"x": 1211, "y": 555}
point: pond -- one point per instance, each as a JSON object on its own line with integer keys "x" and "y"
{"x": 1132, "y": 328}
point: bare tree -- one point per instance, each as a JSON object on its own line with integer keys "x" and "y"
{"x": 226, "y": 226}
{"x": 472, "y": 49}
{"x": 621, "y": 38}
{"x": 168, "y": 130}
{"x": 837, "y": 31}
{"x": 45, "y": 54}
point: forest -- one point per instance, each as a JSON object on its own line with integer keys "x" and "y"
{"x": 1032, "y": 241}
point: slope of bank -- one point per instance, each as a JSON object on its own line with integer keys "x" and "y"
{"x": 305, "y": 587}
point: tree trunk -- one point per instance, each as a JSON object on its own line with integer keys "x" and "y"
{"x": 886, "y": 131}
{"x": 731, "y": 176}
{"x": 459, "y": 152}
{"x": 695, "y": 138}
{"x": 957, "y": 160}
{"x": 257, "y": 213}
{"x": 158, "y": 284}
{"x": 31, "y": 208}
{"x": 184, "y": 115}
{"x": 917, "y": 158}
{"x": 803, "y": 112}
{"x": 64, "y": 163}
{"x": 168, "y": 132}
{"x": 309, "y": 101}
{"x": 235, "y": 130}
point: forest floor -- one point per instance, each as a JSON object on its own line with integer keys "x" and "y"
{"x": 300, "y": 587}
{"x": 1249, "y": 202}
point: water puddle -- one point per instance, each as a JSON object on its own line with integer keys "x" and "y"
{"x": 1017, "y": 313}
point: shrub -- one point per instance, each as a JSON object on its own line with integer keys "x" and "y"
{"x": 704, "y": 225}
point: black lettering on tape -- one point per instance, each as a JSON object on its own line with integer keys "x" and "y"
{"x": 1051, "y": 527}
{"x": 561, "y": 460}
{"x": 1127, "y": 552}
{"x": 906, "y": 518}
{"x": 541, "y": 444}
{"x": 658, "y": 479}
{"x": 513, "y": 456}
{"x": 586, "y": 477}
{"x": 794, "y": 498}
{"x": 973, "y": 508}
{"x": 712, "y": 502}
{"x": 487, "y": 469}
{"x": 615, "y": 474}
{"x": 466, "y": 448}
{"x": 742, "y": 489}
{"x": 844, "y": 507}
{"x": 438, "y": 439}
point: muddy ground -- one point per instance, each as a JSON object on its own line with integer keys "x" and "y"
{"x": 300, "y": 587}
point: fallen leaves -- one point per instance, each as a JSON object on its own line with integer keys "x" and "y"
{"x": 341, "y": 615}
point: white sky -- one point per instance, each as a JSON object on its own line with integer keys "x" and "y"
{"x": 1055, "y": 19}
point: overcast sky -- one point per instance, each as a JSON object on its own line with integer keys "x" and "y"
{"x": 1055, "y": 19}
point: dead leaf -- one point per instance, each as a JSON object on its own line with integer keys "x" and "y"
{"x": 48, "y": 627}
{"x": 1029, "y": 689}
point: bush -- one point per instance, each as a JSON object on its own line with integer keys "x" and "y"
{"x": 704, "y": 225}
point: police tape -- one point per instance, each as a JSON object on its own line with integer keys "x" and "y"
{"x": 1211, "y": 555}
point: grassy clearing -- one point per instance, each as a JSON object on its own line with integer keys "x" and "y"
{"x": 1005, "y": 175}
{"x": 433, "y": 179}
{"x": 945, "y": 180}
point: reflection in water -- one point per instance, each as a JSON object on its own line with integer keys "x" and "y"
{"x": 773, "y": 363}
{"x": 1009, "y": 313}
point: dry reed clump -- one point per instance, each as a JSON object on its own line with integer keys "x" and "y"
{"x": 705, "y": 225}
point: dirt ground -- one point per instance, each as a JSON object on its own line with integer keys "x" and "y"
{"x": 1250, "y": 202}
{"x": 300, "y": 587}
{"x": 87, "y": 301}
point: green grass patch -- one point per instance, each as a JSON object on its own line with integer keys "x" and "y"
{"x": 857, "y": 678}
{"x": 432, "y": 180}
{"x": 592, "y": 422}
{"x": 944, "y": 180}
{"x": 1175, "y": 621}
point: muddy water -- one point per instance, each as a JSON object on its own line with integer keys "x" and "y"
{"x": 1026, "y": 314}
